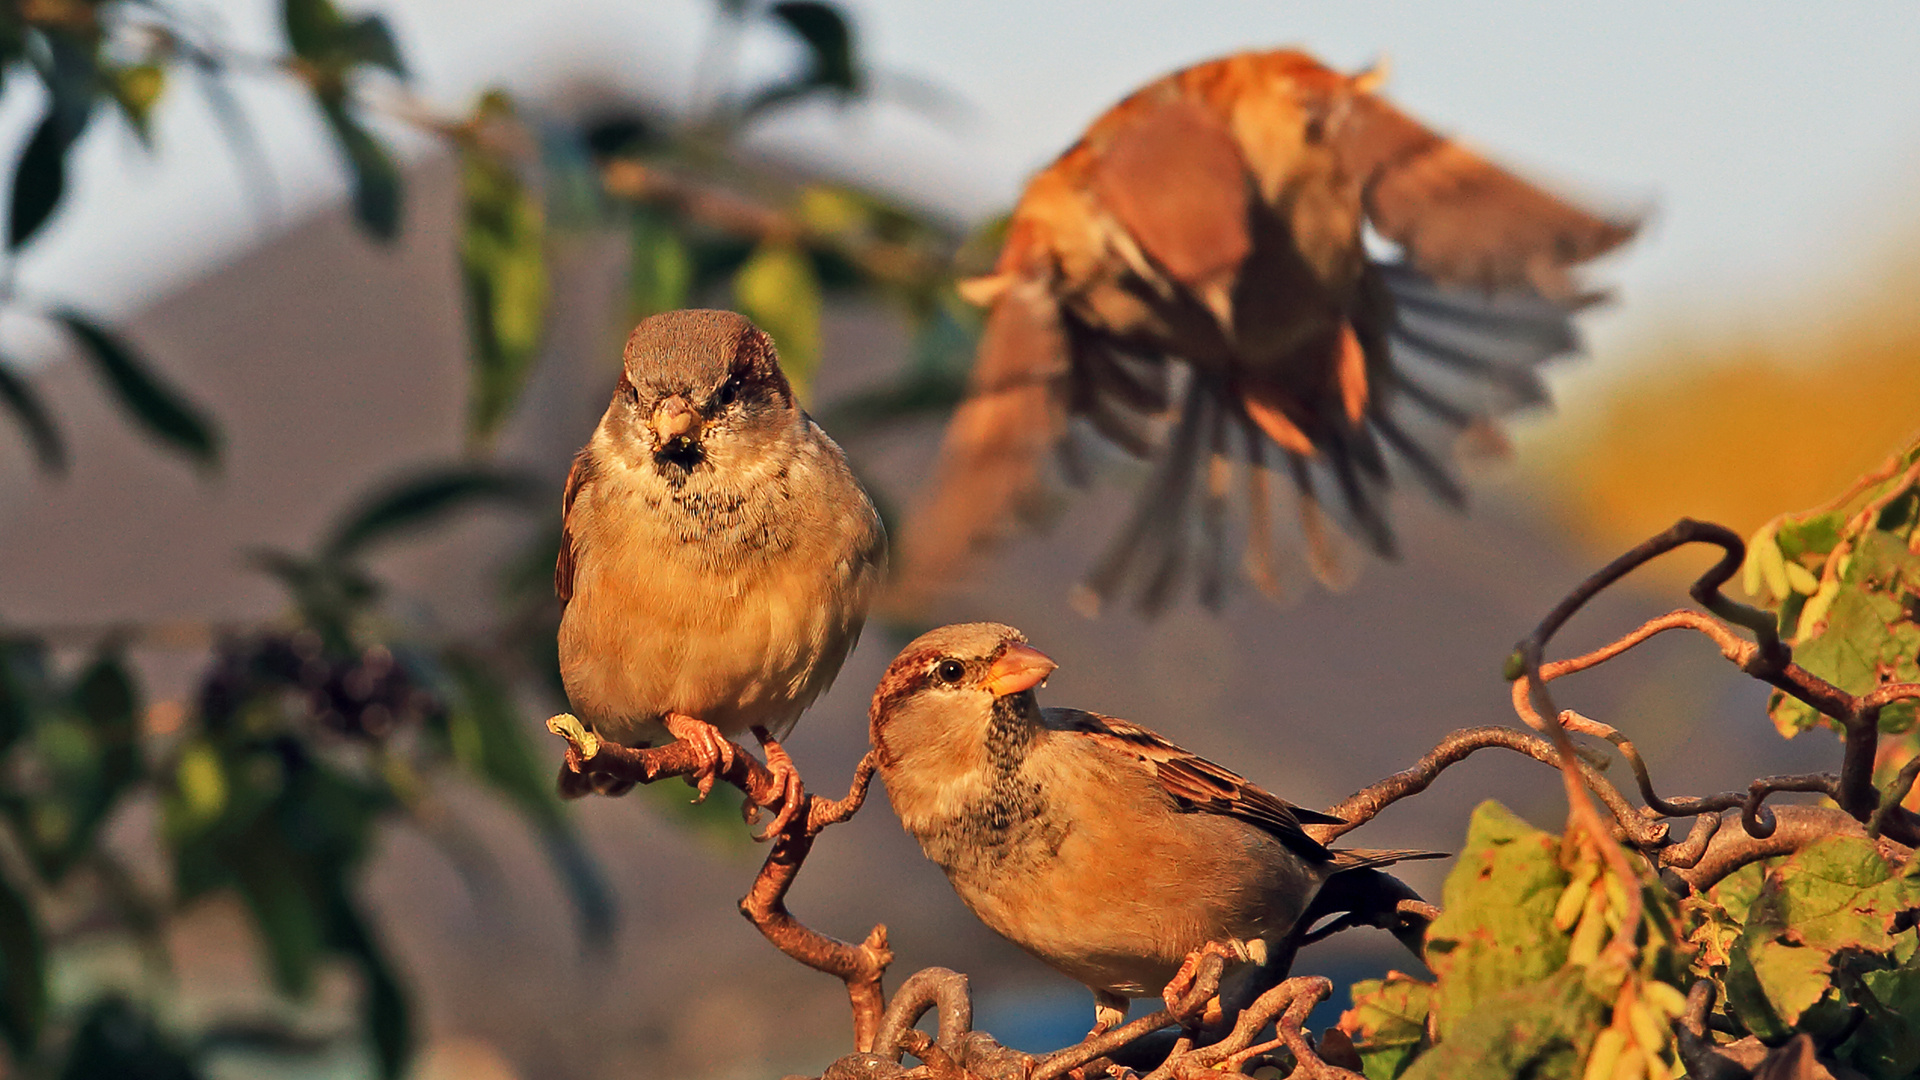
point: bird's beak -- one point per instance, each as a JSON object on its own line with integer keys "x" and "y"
{"x": 1021, "y": 667}
{"x": 674, "y": 419}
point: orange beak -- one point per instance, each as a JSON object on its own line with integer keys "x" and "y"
{"x": 1021, "y": 667}
{"x": 673, "y": 419}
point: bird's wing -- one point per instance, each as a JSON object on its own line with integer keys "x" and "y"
{"x": 578, "y": 477}
{"x": 1199, "y": 785}
{"x": 1460, "y": 218}
{"x": 996, "y": 444}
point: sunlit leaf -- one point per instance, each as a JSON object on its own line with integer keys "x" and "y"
{"x": 23, "y": 970}
{"x": 1859, "y": 628}
{"x": 423, "y": 499}
{"x": 137, "y": 88}
{"x": 24, "y": 402}
{"x": 1388, "y": 1023}
{"x": 376, "y": 179}
{"x": 503, "y": 260}
{"x": 162, "y": 410}
{"x": 778, "y": 290}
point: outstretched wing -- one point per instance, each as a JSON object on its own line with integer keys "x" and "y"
{"x": 1461, "y": 219}
{"x": 1199, "y": 785}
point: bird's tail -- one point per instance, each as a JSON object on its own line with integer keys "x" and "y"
{"x": 1363, "y": 858}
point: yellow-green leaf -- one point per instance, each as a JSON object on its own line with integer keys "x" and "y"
{"x": 778, "y": 289}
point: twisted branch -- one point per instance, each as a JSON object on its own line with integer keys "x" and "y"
{"x": 860, "y": 966}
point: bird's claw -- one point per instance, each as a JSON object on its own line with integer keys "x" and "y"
{"x": 1179, "y": 996}
{"x": 714, "y": 750}
{"x": 790, "y": 798}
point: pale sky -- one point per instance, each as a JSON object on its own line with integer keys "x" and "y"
{"x": 1778, "y": 143}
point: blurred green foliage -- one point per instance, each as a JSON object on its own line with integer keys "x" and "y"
{"x": 309, "y": 734}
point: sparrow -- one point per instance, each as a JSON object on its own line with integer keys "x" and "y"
{"x": 717, "y": 557}
{"x": 1093, "y": 843}
{"x": 1192, "y": 282}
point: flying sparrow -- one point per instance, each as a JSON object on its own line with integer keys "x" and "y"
{"x": 1191, "y": 281}
{"x": 1093, "y": 843}
{"x": 717, "y": 558}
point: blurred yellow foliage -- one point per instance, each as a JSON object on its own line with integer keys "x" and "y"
{"x": 1738, "y": 432}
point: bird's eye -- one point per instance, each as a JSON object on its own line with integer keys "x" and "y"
{"x": 628, "y": 391}
{"x": 950, "y": 671}
{"x": 729, "y": 392}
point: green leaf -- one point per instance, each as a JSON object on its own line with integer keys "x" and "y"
{"x": 661, "y": 272}
{"x": 312, "y": 26}
{"x": 829, "y": 40}
{"x": 279, "y": 893}
{"x": 1538, "y": 1030}
{"x": 1887, "y": 1045}
{"x": 117, "y": 1040}
{"x": 136, "y": 88}
{"x": 40, "y": 178}
{"x": 503, "y": 261}
{"x": 159, "y": 408}
{"x": 1861, "y": 628}
{"x": 1496, "y": 927}
{"x": 490, "y": 741}
{"x": 24, "y": 402}
{"x": 369, "y": 40}
{"x": 424, "y": 499}
{"x": 778, "y": 290}
{"x": 23, "y": 970}
{"x": 385, "y": 1011}
{"x": 1388, "y": 1023}
{"x": 376, "y": 179}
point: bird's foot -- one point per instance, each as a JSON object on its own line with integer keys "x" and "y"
{"x": 788, "y": 798}
{"x": 714, "y": 750}
{"x": 1192, "y": 994}
{"x": 1109, "y": 1012}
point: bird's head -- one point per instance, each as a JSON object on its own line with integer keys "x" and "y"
{"x": 943, "y": 697}
{"x": 701, "y": 390}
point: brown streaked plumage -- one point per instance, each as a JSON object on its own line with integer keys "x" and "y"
{"x": 1093, "y": 843}
{"x": 717, "y": 558}
{"x": 1190, "y": 281}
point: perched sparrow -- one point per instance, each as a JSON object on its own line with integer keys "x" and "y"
{"x": 1092, "y": 843}
{"x": 1217, "y": 218}
{"x": 717, "y": 557}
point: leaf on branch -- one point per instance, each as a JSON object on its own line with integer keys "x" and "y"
{"x": 42, "y": 434}
{"x": 833, "y": 65}
{"x": 369, "y": 40}
{"x": 1845, "y": 582}
{"x": 1827, "y": 925}
{"x": 423, "y": 499}
{"x": 376, "y": 179}
{"x": 162, "y": 410}
{"x": 778, "y": 289}
{"x": 136, "y": 88}
{"x": 489, "y": 741}
{"x": 40, "y": 177}
{"x": 503, "y": 260}
{"x": 1388, "y": 1023}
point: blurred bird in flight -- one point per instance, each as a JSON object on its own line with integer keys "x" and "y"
{"x": 1191, "y": 281}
